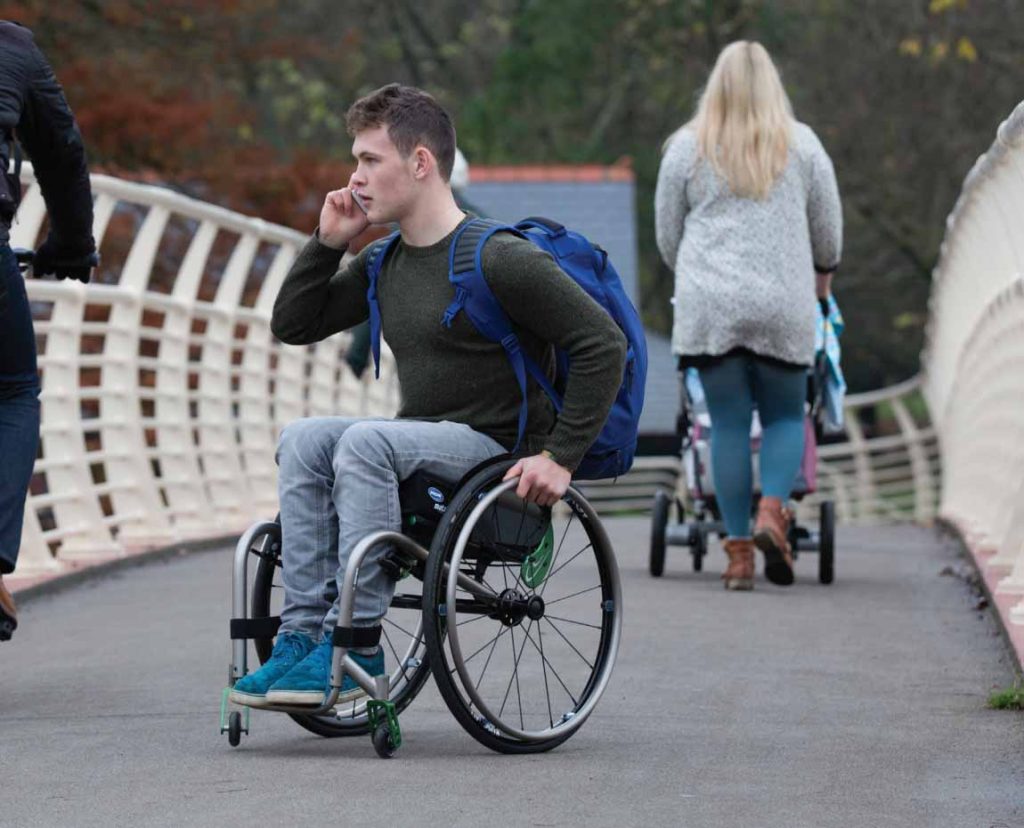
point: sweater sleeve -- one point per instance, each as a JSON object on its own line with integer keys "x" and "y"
{"x": 319, "y": 297}
{"x": 824, "y": 211}
{"x": 670, "y": 202}
{"x": 543, "y": 300}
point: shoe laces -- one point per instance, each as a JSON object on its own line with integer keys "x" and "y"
{"x": 323, "y": 652}
{"x": 290, "y": 644}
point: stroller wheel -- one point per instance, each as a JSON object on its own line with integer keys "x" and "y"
{"x": 659, "y": 520}
{"x": 698, "y": 547}
{"x": 827, "y": 542}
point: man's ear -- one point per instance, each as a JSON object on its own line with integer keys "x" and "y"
{"x": 423, "y": 163}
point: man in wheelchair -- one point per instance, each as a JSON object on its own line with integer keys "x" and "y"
{"x": 460, "y": 400}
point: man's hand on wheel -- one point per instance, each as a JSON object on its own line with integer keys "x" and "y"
{"x": 541, "y": 479}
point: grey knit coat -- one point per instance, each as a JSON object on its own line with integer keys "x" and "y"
{"x": 744, "y": 268}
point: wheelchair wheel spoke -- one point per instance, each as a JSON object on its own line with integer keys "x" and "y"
{"x": 571, "y": 621}
{"x": 398, "y": 659}
{"x": 567, "y": 641}
{"x": 567, "y": 597}
{"x": 469, "y": 620}
{"x": 554, "y": 672}
{"x": 554, "y": 558}
{"x": 387, "y": 620}
{"x": 484, "y": 647}
{"x": 488, "y": 661}
{"x": 544, "y": 669}
{"x": 573, "y": 558}
{"x": 515, "y": 676}
{"x": 522, "y": 523}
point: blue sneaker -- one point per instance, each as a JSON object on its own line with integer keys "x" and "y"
{"x": 308, "y": 682}
{"x": 289, "y": 649}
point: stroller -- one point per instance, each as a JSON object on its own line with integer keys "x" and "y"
{"x": 693, "y": 428}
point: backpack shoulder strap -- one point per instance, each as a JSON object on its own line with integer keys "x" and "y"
{"x": 475, "y": 297}
{"x": 374, "y": 262}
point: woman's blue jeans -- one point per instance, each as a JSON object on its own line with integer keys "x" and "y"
{"x": 734, "y": 386}
{"x": 19, "y": 408}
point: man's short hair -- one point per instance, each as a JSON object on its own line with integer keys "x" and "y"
{"x": 412, "y": 117}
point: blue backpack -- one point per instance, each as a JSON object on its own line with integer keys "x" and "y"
{"x": 588, "y": 266}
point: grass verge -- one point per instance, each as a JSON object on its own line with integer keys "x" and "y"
{"x": 1010, "y": 699}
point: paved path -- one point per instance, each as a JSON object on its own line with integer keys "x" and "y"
{"x": 859, "y": 704}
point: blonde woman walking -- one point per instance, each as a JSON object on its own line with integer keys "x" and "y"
{"x": 748, "y": 217}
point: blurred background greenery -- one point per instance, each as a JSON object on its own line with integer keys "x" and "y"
{"x": 241, "y": 102}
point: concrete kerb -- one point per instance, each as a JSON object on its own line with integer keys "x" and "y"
{"x": 66, "y": 580}
{"x": 1013, "y": 634}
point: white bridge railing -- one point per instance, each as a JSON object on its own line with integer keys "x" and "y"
{"x": 974, "y": 364}
{"x": 163, "y": 388}
{"x": 164, "y": 391}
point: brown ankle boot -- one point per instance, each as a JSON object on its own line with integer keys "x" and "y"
{"x": 740, "y": 572}
{"x": 771, "y": 533}
{"x": 8, "y": 613}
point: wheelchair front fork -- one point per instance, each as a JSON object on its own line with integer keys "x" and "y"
{"x": 381, "y": 712}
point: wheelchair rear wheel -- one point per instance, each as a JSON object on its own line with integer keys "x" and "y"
{"x": 402, "y": 639}
{"x": 522, "y": 614}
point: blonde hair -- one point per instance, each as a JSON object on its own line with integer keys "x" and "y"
{"x": 744, "y": 120}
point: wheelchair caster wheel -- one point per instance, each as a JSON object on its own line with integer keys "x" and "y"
{"x": 382, "y": 741}
{"x": 235, "y": 729}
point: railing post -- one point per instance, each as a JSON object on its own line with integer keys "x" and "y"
{"x": 923, "y": 509}
{"x": 130, "y": 476}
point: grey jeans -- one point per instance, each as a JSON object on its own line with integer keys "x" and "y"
{"x": 338, "y": 482}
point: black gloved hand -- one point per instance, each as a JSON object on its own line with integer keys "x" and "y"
{"x": 50, "y": 258}
{"x": 823, "y": 305}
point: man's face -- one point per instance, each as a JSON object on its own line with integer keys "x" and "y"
{"x": 383, "y": 178}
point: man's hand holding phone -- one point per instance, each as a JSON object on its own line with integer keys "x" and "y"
{"x": 342, "y": 218}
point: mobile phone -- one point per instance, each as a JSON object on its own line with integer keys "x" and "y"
{"x": 358, "y": 200}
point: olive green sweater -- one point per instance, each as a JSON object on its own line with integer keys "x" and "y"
{"x": 454, "y": 373}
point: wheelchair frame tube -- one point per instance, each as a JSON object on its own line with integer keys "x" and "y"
{"x": 348, "y": 591}
{"x": 377, "y": 687}
{"x": 239, "y": 605}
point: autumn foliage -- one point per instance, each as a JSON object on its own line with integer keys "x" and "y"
{"x": 164, "y": 93}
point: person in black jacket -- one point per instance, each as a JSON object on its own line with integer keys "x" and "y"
{"x": 34, "y": 113}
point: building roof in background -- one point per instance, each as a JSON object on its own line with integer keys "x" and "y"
{"x": 600, "y": 203}
{"x": 623, "y": 171}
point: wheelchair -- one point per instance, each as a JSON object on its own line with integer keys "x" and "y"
{"x": 515, "y": 609}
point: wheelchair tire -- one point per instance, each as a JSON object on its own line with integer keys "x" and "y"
{"x": 500, "y": 556}
{"x": 235, "y": 729}
{"x": 355, "y": 722}
{"x": 826, "y": 542}
{"x": 659, "y": 521}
